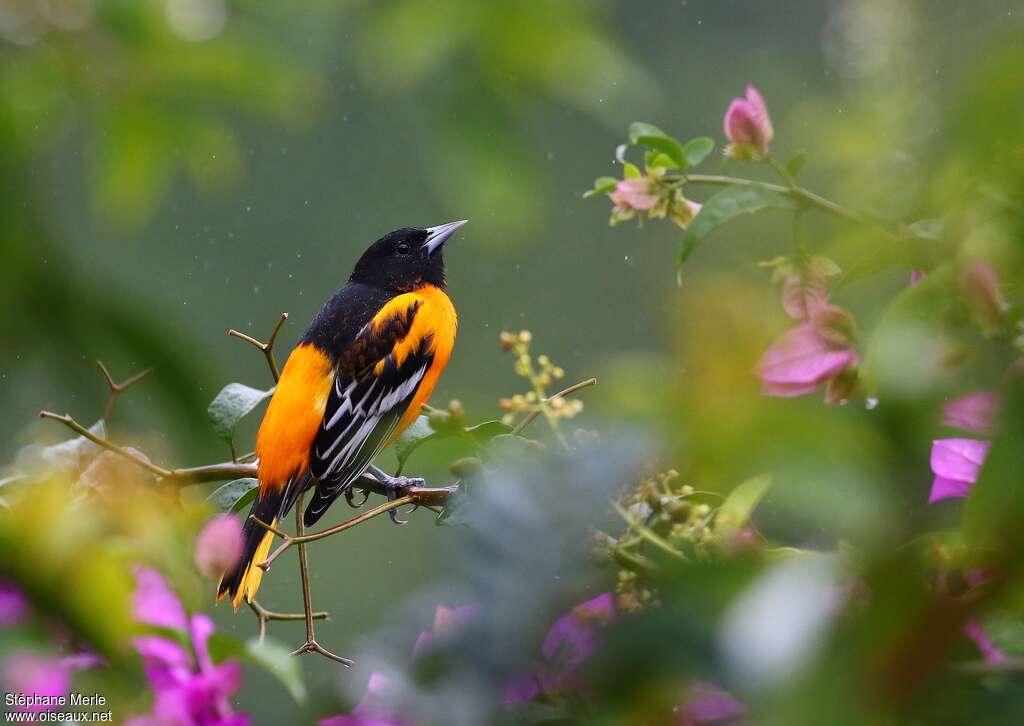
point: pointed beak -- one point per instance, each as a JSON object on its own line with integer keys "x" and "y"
{"x": 436, "y": 236}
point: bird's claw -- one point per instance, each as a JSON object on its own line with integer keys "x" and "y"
{"x": 350, "y": 497}
{"x": 396, "y": 487}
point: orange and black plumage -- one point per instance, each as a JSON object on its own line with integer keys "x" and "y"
{"x": 357, "y": 378}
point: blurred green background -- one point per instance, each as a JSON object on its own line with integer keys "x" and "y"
{"x": 173, "y": 168}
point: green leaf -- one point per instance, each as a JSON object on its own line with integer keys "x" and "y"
{"x": 740, "y": 504}
{"x": 482, "y": 433}
{"x": 927, "y": 228}
{"x": 725, "y": 205}
{"x": 222, "y": 647}
{"x": 278, "y": 661}
{"x": 422, "y": 431}
{"x": 630, "y": 171}
{"x": 233, "y": 402}
{"x": 418, "y": 432}
{"x": 458, "y": 505}
{"x": 796, "y": 163}
{"x": 697, "y": 150}
{"x": 602, "y": 185}
{"x": 235, "y": 495}
{"x": 910, "y": 322}
{"x": 651, "y": 137}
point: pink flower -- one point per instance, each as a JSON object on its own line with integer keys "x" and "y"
{"x": 748, "y": 126}
{"x": 709, "y": 705}
{"x": 569, "y": 642}
{"x": 187, "y": 690}
{"x": 13, "y": 605}
{"x": 956, "y": 464}
{"x": 219, "y": 546}
{"x": 974, "y": 413}
{"x": 915, "y": 277}
{"x": 989, "y": 651}
{"x": 808, "y": 355}
{"x": 636, "y": 194}
{"x": 446, "y": 621}
{"x": 40, "y": 678}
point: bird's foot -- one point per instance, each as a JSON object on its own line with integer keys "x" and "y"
{"x": 311, "y": 646}
{"x": 351, "y": 498}
{"x": 396, "y": 487}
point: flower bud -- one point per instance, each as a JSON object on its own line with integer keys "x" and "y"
{"x": 219, "y": 546}
{"x": 748, "y": 126}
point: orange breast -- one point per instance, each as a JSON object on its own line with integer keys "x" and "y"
{"x": 435, "y": 317}
{"x": 293, "y": 416}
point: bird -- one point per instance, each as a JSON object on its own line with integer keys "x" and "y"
{"x": 355, "y": 381}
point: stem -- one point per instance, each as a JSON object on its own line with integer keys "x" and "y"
{"x": 307, "y": 605}
{"x": 263, "y": 616}
{"x": 268, "y": 347}
{"x": 416, "y": 495}
{"x": 529, "y": 418}
{"x": 100, "y": 441}
{"x": 646, "y": 533}
{"x": 116, "y": 389}
{"x": 797, "y": 192}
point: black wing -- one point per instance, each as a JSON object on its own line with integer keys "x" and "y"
{"x": 364, "y": 406}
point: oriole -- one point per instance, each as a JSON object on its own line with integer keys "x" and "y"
{"x": 357, "y": 378}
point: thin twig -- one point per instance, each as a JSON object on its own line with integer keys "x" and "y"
{"x": 268, "y": 347}
{"x": 529, "y": 418}
{"x": 116, "y": 389}
{"x": 415, "y": 495}
{"x": 68, "y": 421}
{"x": 263, "y": 616}
{"x": 311, "y": 645}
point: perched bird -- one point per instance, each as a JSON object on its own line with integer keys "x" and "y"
{"x": 358, "y": 377}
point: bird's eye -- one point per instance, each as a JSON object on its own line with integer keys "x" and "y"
{"x": 402, "y": 248}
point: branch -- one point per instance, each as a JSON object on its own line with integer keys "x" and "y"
{"x": 419, "y": 496}
{"x": 263, "y": 616}
{"x": 116, "y": 389}
{"x": 529, "y": 418}
{"x": 66, "y": 419}
{"x": 268, "y": 347}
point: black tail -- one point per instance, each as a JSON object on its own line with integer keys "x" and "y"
{"x": 244, "y": 580}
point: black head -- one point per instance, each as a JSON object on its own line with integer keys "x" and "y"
{"x": 406, "y": 258}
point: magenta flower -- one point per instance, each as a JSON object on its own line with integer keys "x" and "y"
{"x": 808, "y": 355}
{"x": 569, "y": 642}
{"x": 974, "y": 413}
{"x": 188, "y": 688}
{"x": 989, "y": 651}
{"x": 748, "y": 126}
{"x": 915, "y": 277}
{"x": 709, "y": 705}
{"x": 219, "y": 546}
{"x": 40, "y": 678}
{"x": 956, "y": 464}
{"x": 14, "y": 607}
{"x": 634, "y": 195}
